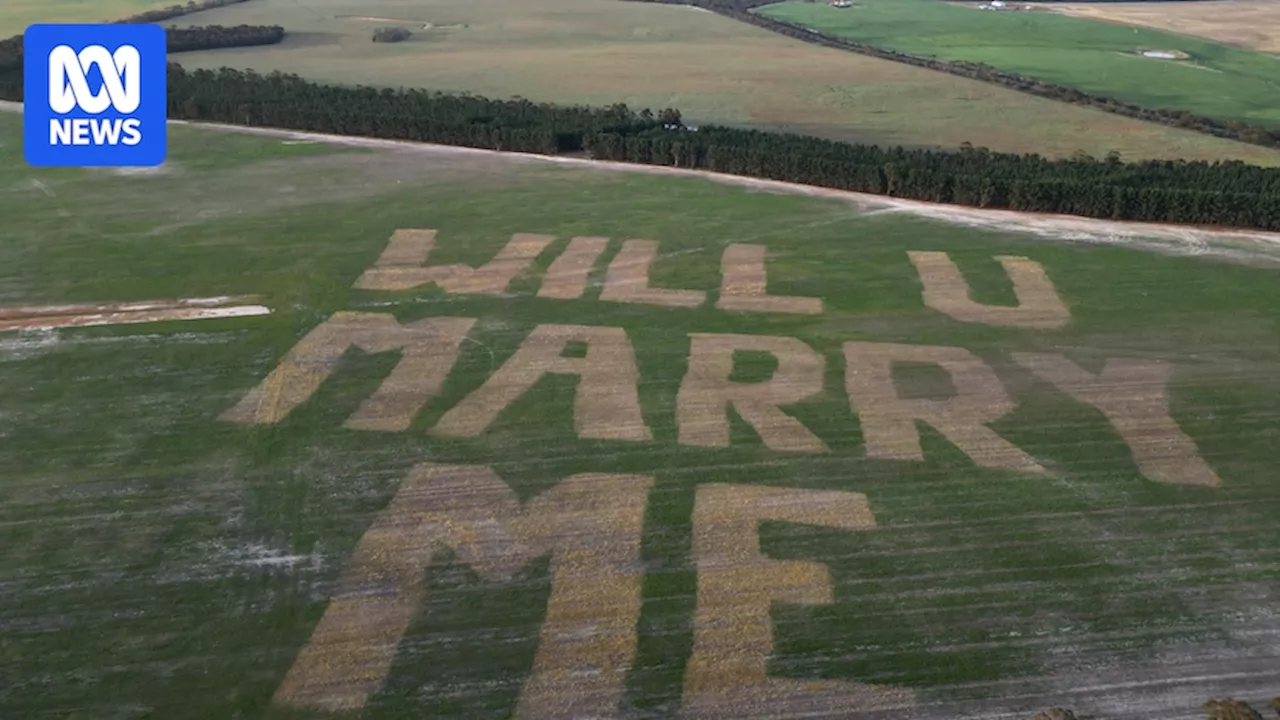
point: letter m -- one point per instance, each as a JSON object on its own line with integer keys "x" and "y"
{"x": 589, "y": 524}
{"x": 428, "y": 350}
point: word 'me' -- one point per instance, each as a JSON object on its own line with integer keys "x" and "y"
{"x": 591, "y": 526}
{"x": 1132, "y": 394}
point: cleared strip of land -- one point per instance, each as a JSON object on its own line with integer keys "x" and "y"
{"x": 49, "y": 317}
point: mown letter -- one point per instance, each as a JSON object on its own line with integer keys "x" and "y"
{"x": 429, "y": 348}
{"x": 743, "y": 284}
{"x": 607, "y": 403}
{"x": 946, "y": 291}
{"x": 727, "y": 675}
{"x": 707, "y": 393}
{"x": 590, "y": 524}
{"x": 627, "y": 280}
{"x": 889, "y": 421}
{"x": 1133, "y": 395}
{"x": 402, "y": 266}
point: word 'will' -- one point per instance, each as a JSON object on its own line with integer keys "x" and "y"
{"x": 403, "y": 266}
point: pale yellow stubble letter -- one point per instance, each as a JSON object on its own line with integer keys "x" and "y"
{"x": 946, "y": 291}
{"x": 567, "y": 277}
{"x": 402, "y": 266}
{"x": 707, "y": 393}
{"x": 889, "y": 421}
{"x": 590, "y": 524}
{"x": 1134, "y": 395}
{"x": 429, "y": 348}
{"x": 607, "y": 402}
{"x": 627, "y": 279}
{"x": 727, "y": 676}
{"x": 743, "y": 285}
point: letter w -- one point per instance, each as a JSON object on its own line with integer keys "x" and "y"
{"x": 402, "y": 266}
{"x": 590, "y": 524}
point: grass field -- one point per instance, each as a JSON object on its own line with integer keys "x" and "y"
{"x": 1218, "y": 80}
{"x": 15, "y": 15}
{"x": 163, "y": 562}
{"x": 715, "y": 69}
{"x": 1254, "y": 24}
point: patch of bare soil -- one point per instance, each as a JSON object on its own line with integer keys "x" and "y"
{"x": 1253, "y": 24}
{"x": 48, "y": 317}
{"x": 369, "y": 18}
{"x": 1164, "y": 54}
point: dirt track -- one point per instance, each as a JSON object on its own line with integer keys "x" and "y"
{"x": 1237, "y": 245}
{"x": 48, "y": 317}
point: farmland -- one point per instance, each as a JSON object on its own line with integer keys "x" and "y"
{"x": 1102, "y": 58}
{"x": 712, "y": 68}
{"x": 15, "y": 15}
{"x": 181, "y": 499}
{"x": 1253, "y": 24}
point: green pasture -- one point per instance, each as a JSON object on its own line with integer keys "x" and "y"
{"x": 1217, "y": 80}
{"x": 161, "y": 563}
{"x": 16, "y": 15}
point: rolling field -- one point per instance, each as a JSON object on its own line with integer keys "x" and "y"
{"x": 557, "y": 486}
{"x": 1217, "y": 80}
{"x": 16, "y": 15}
{"x": 712, "y": 68}
{"x": 1253, "y": 24}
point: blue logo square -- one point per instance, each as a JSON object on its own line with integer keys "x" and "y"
{"x": 94, "y": 95}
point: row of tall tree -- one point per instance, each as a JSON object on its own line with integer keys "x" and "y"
{"x": 173, "y": 11}
{"x": 212, "y": 37}
{"x": 1221, "y": 193}
{"x": 189, "y": 39}
{"x": 244, "y": 97}
{"x": 1235, "y": 130}
{"x": 1230, "y": 194}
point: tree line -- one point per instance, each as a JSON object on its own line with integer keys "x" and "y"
{"x": 173, "y": 11}
{"x": 1221, "y": 193}
{"x": 178, "y": 40}
{"x": 741, "y": 10}
{"x": 212, "y": 37}
{"x": 208, "y": 37}
{"x": 244, "y": 97}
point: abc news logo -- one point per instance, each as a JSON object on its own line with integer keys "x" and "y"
{"x": 94, "y": 95}
{"x": 69, "y": 90}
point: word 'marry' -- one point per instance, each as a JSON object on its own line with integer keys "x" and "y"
{"x": 589, "y": 638}
{"x": 1132, "y": 394}
{"x": 403, "y": 266}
